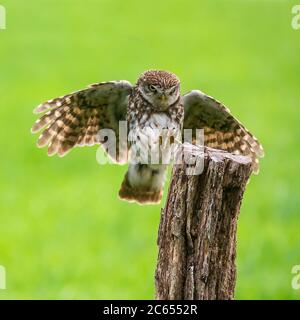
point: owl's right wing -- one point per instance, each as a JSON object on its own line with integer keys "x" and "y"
{"x": 221, "y": 129}
{"x": 75, "y": 119}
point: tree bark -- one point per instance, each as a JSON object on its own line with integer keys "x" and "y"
{"x": 197, "y": 233}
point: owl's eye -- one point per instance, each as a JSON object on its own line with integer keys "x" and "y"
{"x": 152, "y": 88}
{"x": 172, "y": 91}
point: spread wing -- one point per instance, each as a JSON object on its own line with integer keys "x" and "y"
{"x": 221, "y": 129}
{"x": 75, "y": 119}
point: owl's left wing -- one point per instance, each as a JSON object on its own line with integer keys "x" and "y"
{"x": 221, "y": 129}
{"x": 75, "y": 119}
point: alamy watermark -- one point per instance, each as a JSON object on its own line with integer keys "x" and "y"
{"x": 152, "y": 145}
{"x": 2, "y": 17}
{"x": 2, "y": 278}
{"x": 296, "y": 279}
{"x": 296, "y": 17}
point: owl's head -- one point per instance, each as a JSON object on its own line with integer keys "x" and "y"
{"x": 160, "y": 88}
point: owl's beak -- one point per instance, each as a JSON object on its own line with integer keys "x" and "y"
{"x": 163, "y": 100}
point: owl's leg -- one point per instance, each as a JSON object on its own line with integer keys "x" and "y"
{"x": 143, "y": 183}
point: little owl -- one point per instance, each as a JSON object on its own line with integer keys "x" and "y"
{"x": 155, "y": 102}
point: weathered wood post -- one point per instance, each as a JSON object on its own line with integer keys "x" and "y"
{"x": 197, "y": 233}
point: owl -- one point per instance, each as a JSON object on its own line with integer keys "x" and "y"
{"x": 153, "y": 108}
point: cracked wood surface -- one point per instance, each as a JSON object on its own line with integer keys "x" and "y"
{"x": 197, "y": 233}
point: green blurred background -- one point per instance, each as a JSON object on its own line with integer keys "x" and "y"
{"x": 64, "y": 234}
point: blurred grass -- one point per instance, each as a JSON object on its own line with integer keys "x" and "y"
{"x": 63, "y": 231}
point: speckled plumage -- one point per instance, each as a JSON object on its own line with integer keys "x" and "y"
{"x": 155, "y": 101}
{"x": 162, "y": 78}
{"x": 139, "y": 110}
{"x": 144, "y": 182}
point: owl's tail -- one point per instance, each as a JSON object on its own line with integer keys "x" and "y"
{"x": 143, "y": 183}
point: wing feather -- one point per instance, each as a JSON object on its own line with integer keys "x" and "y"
{"x": 75, "y": 119}
{"x": 221, "y": 129}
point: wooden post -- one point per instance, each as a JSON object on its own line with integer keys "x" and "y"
{"x": 197, "y": 233}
